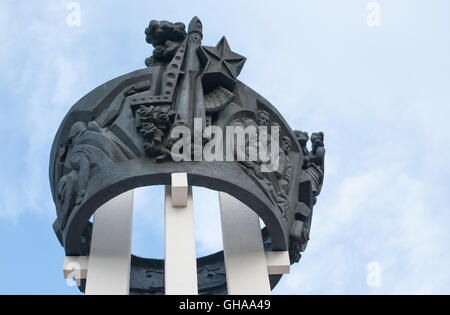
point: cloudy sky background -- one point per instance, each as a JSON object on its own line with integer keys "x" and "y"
{"x": 380, "y": 94}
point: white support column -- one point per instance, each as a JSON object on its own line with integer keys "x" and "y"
{"x": 180, "y": 256}
{"x": 245, "y": 260}
{"x": 110, "y": 257}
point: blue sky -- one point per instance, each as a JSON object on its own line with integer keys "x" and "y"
{"x": 380, "y": 94}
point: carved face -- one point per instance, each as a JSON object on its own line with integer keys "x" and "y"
{"x": 317, "y": 140}
{"x": 263, "y": 118}
{"x": 302, "y": 137}
{"x": 286, "y": 144}
{"x": 163, "y": 117}
{"x": 316, "y": 137}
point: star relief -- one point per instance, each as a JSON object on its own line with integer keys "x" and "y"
{"x": 221, "y": 65}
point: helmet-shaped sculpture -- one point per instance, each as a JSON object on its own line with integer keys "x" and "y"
{"x": 121, "y": 136}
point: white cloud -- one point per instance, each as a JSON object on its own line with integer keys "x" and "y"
{"x": 46, "y": 82}
{"x": 10, "y": 205}
{"x": 381, "y": 215}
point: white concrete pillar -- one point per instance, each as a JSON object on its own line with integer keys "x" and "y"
{"x": 110, "y": 256}
{"x": 180, "y": 254}
{"x": 245, "y": 260}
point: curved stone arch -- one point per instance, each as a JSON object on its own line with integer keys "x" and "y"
{"x": 142, "y": 171}
{"x": 91, "y": 105}
{"x": 73, "y": 235}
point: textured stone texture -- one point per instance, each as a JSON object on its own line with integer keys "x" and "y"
{"x": 117, "y": 138}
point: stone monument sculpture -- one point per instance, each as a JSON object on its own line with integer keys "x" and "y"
{"x": 121, "y": 136}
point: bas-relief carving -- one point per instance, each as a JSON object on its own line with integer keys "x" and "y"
{"x": 186, "y": 81}
{"x": 88, "y": 148}
{"x": 150, "y": 280}
{"x": 276, "y": 184}
{"x": 154, "y": 124}
{"x": 313, "y": 166}
{"x": 314, "y": 161}
{"x": 166, "y": 37}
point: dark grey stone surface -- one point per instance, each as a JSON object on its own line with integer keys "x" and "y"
{"x": 117, "y": 138}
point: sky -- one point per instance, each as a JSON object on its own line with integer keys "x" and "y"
{"x": 374, "y": 76}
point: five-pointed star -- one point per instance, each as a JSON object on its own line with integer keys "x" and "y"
{"x": 221, "y": 59}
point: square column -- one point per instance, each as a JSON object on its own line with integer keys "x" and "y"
{"x": 180, "y": 255}
{"x": 110, "y": 257}
{"x": 245, "y": 260}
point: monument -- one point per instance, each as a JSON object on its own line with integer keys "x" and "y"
{"x": 160, "y": 126}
